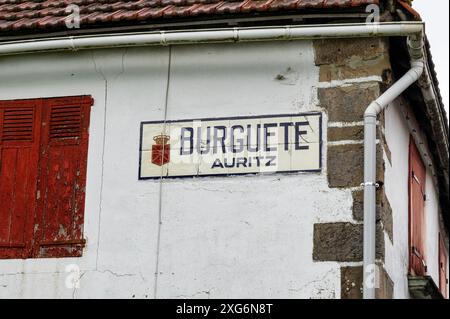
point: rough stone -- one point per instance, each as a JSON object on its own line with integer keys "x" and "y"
{"x": 341, "y": 51}
{"x": 352, "y": 283}
{"x": 384, "y": 210}
{"x": 358, "y": 205}
{"x": 385, "y": 146}
{"x": 356, "y": 68}
{"x": 342, "y": 242}
{"x": 386, "y": 218}
{"x": 345, "y": 133}
{"x": 346, "y": 165}
{"x": 385, "y": 288}
{"x": 348, "y": 103}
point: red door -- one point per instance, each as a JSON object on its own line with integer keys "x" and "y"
{"x": 443, "y": 279}
{"x": 417, "y": 176}
{"x": 19, "y": 151}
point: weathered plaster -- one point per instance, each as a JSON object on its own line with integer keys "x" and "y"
{"x": 248, "y": 236}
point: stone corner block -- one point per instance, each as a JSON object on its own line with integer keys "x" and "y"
{"x": 343, "y": 242}
{"x": 345, "y": 165}
{"x": 348, "y": 103}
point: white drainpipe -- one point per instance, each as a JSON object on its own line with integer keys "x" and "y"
{"x": 412, "y": 30}
{"x": 415, "y": 44}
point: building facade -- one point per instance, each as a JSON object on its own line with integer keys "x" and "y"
{"x": 96, "y": 201}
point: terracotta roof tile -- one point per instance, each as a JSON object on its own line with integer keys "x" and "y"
{"x": 48, "y": 15}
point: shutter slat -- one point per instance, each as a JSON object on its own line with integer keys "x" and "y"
{"x": 18, "y": 123}
{"x": 19, "y": 111}
{"x": 17, "y": 130}
{"x": 13, "y": 117}
{"x": 66, "y": 114}
{"x": 67, "y": 125}
{"x": 66, "y": 109}
{"x": 64, "y": 121}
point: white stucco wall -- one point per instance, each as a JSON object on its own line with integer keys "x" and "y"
{"x": 398, "y": 136}
{"x": 247, "y": 236}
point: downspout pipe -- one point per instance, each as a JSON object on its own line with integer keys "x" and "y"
{"x": 415, "y": 45}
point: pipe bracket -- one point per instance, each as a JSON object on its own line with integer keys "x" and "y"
{"x": 370, "y": 184}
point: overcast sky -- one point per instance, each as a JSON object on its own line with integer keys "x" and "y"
{"x": 435, "y": 13}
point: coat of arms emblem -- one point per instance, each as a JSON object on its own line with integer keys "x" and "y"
{"x": 161, "y": 150}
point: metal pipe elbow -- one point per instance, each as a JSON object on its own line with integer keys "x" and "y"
{"x": 373, "y": 110}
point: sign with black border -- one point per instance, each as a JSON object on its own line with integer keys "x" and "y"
{"x": 229, "y": 146}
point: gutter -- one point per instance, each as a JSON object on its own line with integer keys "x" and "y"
{"x": 74, "y": 43}
{"x": 412, "y": 30}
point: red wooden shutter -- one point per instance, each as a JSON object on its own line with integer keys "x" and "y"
{"x": 19, "y": 149}
{"x": 442, "y": 268}
{"x": 417, "y": 176}
{"x": 62, "y": 177}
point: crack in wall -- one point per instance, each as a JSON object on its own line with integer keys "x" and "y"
{"x": 103, "y": 156}
{"x": 22, "y": 273}
{"x": 115, "y": 274}
{"x": 320, "y": 280}
{"x": 161, "y": 182}
{"x": 206, "y": 292}
{"x": 75, "y": 288}
{"x": 100, "y": 72}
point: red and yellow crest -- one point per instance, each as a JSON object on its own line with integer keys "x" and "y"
{"x": 161, "y": 150}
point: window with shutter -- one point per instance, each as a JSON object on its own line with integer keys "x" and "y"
{"x": 417, "y": 177}
{"x": 43, "y": 160}
{"x": 443, "y": 277}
